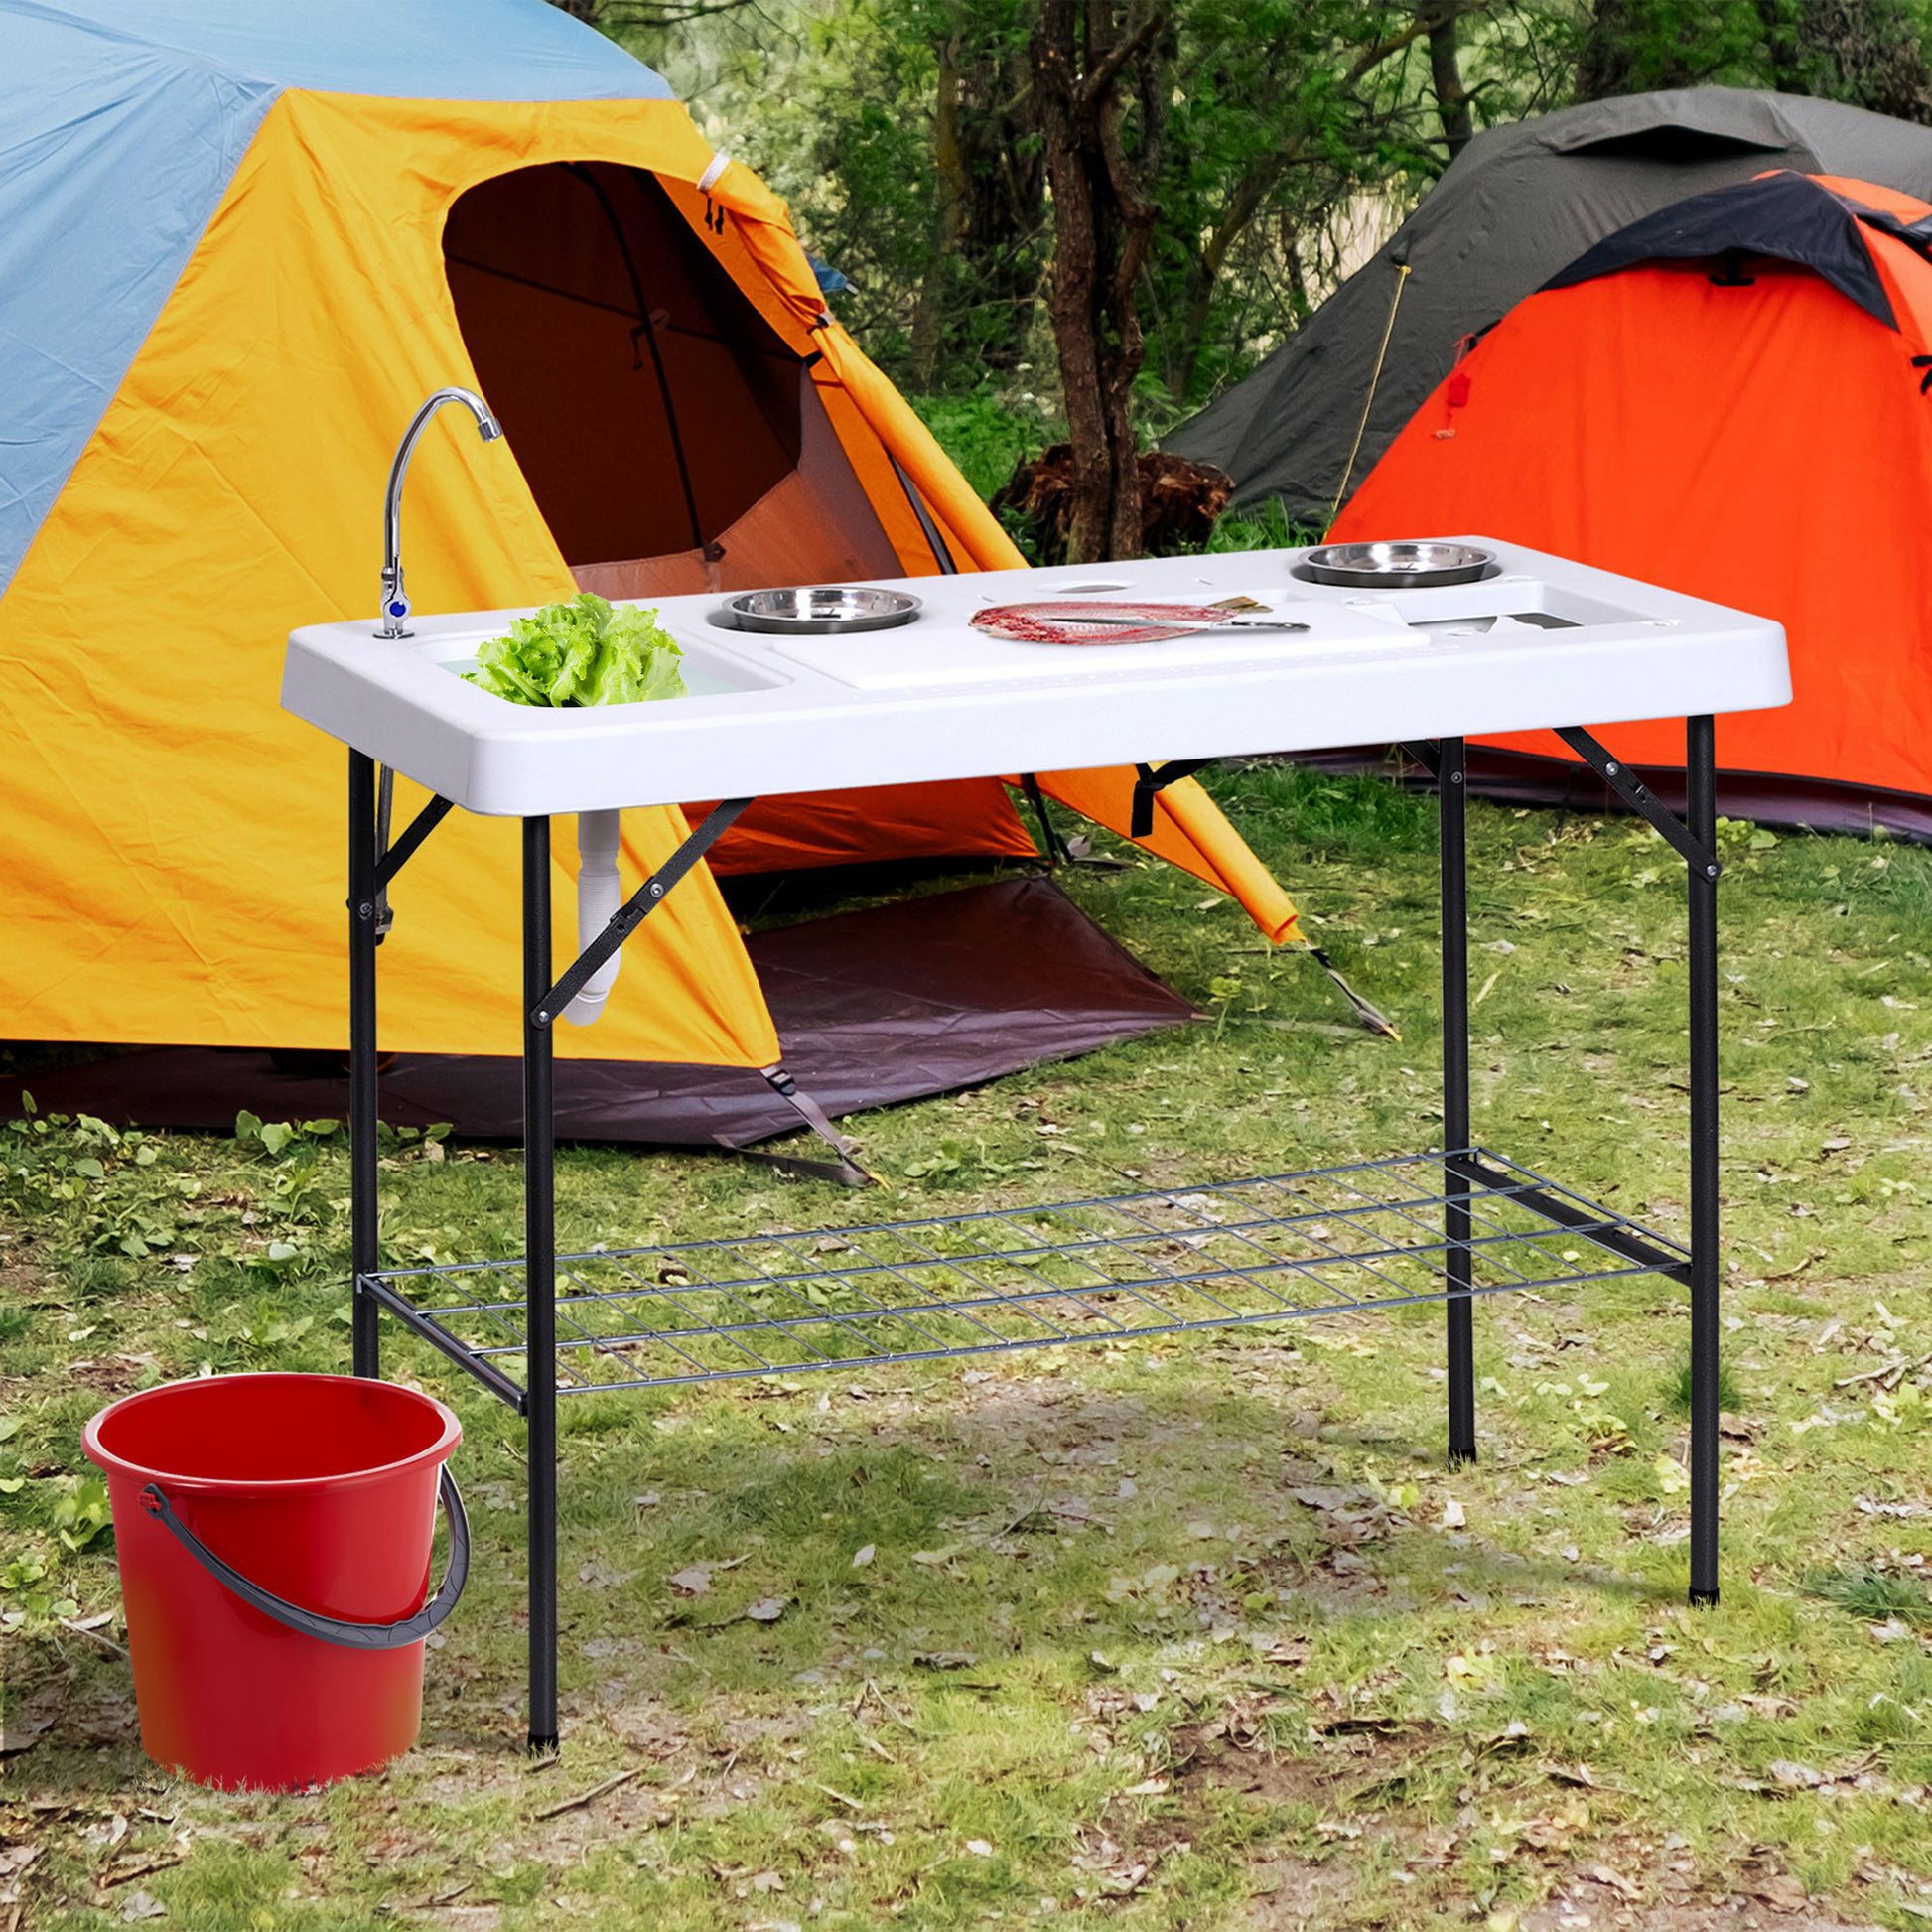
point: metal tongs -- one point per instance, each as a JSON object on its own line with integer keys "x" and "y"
{"x": 1184, "y": 626}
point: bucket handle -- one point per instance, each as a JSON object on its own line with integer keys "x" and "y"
{"x": 312, "y": 1623}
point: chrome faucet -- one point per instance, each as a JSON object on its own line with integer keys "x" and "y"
{"x": 395, "y": 601}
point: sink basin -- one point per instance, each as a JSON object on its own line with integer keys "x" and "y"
{"x": 704, "y": 676}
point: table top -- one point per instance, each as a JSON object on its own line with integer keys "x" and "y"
{"x": 1542, "y": 643}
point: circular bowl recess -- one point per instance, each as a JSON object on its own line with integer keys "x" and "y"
{"x": 816, "y": 610}
{"x": 1396, "y": 566}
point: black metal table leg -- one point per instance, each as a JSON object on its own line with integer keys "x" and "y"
{"x": 1451, "y": 793}
{"x": 1702, "y": 817}
{"x": 540, "y": 1285}
{"x": 365, "y": 1259}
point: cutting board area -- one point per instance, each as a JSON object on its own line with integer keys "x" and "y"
{"x": 941, "y": 650}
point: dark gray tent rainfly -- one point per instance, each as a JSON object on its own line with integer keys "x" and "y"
{"x": 1518, "y": 205}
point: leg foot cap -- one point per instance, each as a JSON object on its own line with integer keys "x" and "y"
{"x": 1704, "y": 1599}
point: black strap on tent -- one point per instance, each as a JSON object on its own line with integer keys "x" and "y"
{"x": 845, "y": 1170}
{"x": 647, "y": 328}
{"x": 1785, "y": 217}
{"x": 1149, "y": 779}
{"x": 940, "y": 554}
{"x": 1060, "y": 849}
{"x": 1372, "y": 1017}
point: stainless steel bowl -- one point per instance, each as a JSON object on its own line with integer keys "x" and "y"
{"x": 816, "y": 610}
{"x": 1396, "y": 566}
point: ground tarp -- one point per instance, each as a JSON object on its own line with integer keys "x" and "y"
{"x": 891, "y": 1003}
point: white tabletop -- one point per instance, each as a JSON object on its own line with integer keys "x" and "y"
{"x": 937, "y": 699}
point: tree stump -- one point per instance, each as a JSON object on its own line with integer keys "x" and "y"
{"x": 1181, "y": 503}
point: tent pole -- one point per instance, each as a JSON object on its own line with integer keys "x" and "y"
{"x": 648, "y": 331}
{"x": 1056, "y": 851}
{"x": 937, "y": 544}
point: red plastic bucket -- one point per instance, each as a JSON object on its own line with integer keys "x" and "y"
{"x": 274, "y": 1537}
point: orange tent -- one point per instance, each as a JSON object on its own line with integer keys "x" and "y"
{"x": 240, "y": 247}
{"x": 1730, "y": 397}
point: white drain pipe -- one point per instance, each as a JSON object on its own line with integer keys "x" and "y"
{"x": 599, "y": 895}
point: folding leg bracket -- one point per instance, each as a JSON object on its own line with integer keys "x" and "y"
{"x": 418, "y": 829}
{"x": 390, "y": 859}
{"x": 1700, "y": 857}
{"x": 636, "y": 909}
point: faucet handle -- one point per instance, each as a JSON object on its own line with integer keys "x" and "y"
{"x": 395, "y": 604}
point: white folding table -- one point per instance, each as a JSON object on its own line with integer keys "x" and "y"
{"x": 1540, "y": 643}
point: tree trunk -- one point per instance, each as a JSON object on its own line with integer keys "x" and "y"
{"x": 1446, "y": 76}
{"x": 1205, "y": 263}
{"x": 1101, "y": 146}
{"x": 948, "y": 217}
{"x": 1005, "y": 202}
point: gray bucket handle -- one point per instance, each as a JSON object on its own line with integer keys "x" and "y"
{"x": 312, "y": 1623}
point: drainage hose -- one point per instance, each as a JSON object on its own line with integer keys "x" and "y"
{"x": 600, "y": 893}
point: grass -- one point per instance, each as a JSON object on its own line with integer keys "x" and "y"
{"x": 1185, "y": 1634}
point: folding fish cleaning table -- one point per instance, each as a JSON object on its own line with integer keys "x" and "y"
{"x": 1542, "y": 643}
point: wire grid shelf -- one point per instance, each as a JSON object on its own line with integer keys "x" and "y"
{"x": 1374, "y": 1234}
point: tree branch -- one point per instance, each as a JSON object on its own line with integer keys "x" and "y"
{"x": 1107, "y": 69}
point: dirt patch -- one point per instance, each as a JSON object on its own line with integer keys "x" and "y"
{"x": 1046, "y": 1419}
{"x": 1582, "y": 1903}
{"x": 1290, "y": 1893}
{"x": 111, "y": 1374}
{"x": 1354, "y": 1765}
{"x": 1348, "y": 1778}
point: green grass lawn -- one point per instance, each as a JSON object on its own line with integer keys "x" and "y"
{"x": 1191, "y": 1634}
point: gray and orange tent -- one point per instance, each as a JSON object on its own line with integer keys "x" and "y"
{"x": 1734, "y": 397}
{"x": 237, "y": 246}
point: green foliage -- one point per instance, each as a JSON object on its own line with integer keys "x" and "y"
{"x": 1680, "y": 1387}
{"x": 1877, "y": 1595}
{"x": 80, "y": 1513}
{"x": 277, "y": 1138}
{"x": 900, "y": 133}
{"x": 986, "y": 435}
